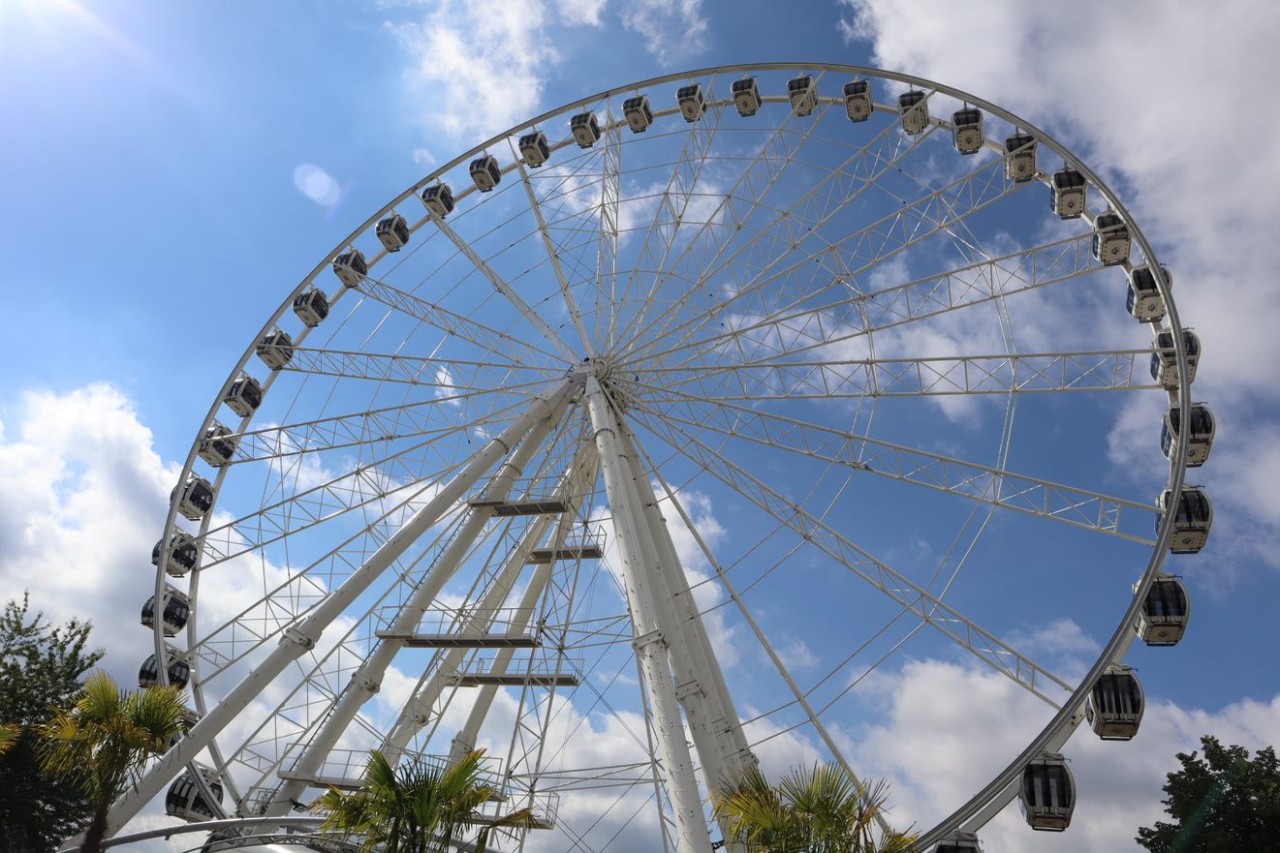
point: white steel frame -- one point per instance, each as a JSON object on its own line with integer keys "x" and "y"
{"x": 616, "y": 374}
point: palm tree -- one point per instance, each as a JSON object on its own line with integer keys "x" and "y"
{"x": 9, "y": 734}
{"x": 816, "y": 810}
{"x": 103, "y": 741}
{"x": 416, "y": 807}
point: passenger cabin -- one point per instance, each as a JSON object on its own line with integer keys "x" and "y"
{"x": 1164, "y": 364}
{"x": 1047, "y": 793}
{"x": 1020, "y": 158}
{"x": 638, "y": 114}
{"x": 692, "y": 104}
{"x": 1165, "y": 612}
{"x": 958, "y": 842}
{"x": 585, "y": 129}
{"x": 275, "y": 349}
{"x": 1192, "y": 519}
{"x": 914, "y": 109}
{"x": 244, "y": 396}
{"x": 1068, "y": 194}
{"x": 193, "y": 498}
{"x": 438, "y": 199}
{"x": 966, "y": 130}
{"x": 1144, "y": 301}
{"x": 485, "y": 173}
{"x": 350, "y": 267}
{"x": 177, "y": 670}
{"x": 187, "y": 801}
{"x": 1115, "y": 704}
{"x": 311, "y": 306}
{"x": 1111, "y": 240}
{"x": 393, "y": 232}
{"x": 857, "y": 100}
{"x": 1199, "y": 439}
{"x": 535, "y": 149}
{"x": 217, "y": 446}
{"x": 175, "y": 609}
{"x": 746, "y": 96}
{"x": 182, "y": 557}
{"x": 803, "y": 95}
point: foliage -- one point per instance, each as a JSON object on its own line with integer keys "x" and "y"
{"x": 1221, "y": 802}
{"x": 817, "y": 810}
{"x": 103, "y": 741}
{"x": 9, "y": 734}
{"x": 41, "y": 666}
{"x": 417, "y": 807}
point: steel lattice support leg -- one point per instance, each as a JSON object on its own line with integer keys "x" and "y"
{"x": 300, "y": 637}
{"x": 701, "y": 688}
{"x": 367, "y": 679}
{"x": 650, "y": 643}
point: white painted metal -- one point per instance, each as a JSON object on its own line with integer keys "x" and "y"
{"x": 367, "y": 679}
{"x": 303, "y": 636}
{"x": 415, "y": 713}
{"x": 662, "y": 356}
{"x": 650, "y": 643}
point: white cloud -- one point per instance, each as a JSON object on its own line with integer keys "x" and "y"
{"x": 445, "y": 389}
{"x": 950, "y": 728}
{"x": 673, "y": 30}
{"x": 82, "y": 501}
{"x": 581, "y": 12}
{"x": 478, "y": 68}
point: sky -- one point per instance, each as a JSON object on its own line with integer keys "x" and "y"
{"x": 171, "y": 172}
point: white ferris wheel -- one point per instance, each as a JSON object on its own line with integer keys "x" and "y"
{"x": 631, "y": 444}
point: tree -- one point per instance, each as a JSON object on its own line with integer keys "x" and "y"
{"x": 416, "y": 807}
{"x": 103, "y": 741}
{"x": 1221, "y": 802}
{"x": 817, "y": 810}
{"x": 41, "y": 666}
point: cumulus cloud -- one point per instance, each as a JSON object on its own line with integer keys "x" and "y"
{"x": 583, "y": 12}
{"x": 82, "y": 501}
{"x": 478, "y": 68}
{"x": 951, "y": 727}
{"x": 673, "y": 30}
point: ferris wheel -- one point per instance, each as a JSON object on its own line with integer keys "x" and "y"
{"x": 634, "y": 443}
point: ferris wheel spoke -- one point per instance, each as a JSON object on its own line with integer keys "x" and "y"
{"x": 502, "y": 286}
{"x": 815, "y": 328}
{"x": 779, "y": 378}
{"x": 852, "y": 253}
{"x": 358, "y": 485}
{"x": 425, "y": 419}
{"x": 224, "y": 646}
{"x": 452, "y": 376}
{"x": 961, "y": 630}
{"x": 1007, "y": 489}
{"x": 606, "y": 266}
{"x": 553, "y": 256}
{"x": 384, "y": 486}
{"x": 687, "y": 173}
{"x": 513, "y": 347}
{"x": 832, "y": 191}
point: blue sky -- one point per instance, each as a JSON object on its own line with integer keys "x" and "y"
{"x": 171, "y": 173}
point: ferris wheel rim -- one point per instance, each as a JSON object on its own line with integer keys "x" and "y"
{"x": 1116, "y": 647}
